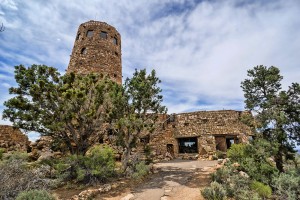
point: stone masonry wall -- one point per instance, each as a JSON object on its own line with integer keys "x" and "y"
{"x": 12, "y": 139}
{"x": 211, "y": 128}
{"x": 221, "y": 122}
{"x": 97, "y": 49}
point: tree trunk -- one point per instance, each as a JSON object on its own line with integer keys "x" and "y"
{"x": 279, "y": 159}
{"x": 125, "y": 159}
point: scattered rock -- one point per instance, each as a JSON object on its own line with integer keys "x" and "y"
{"x": 128, "y": 197}
{"x": 243, "y": 174}
{"x": 90, "y": 193}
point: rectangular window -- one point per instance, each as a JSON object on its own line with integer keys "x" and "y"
{"x": 78, "y": 36}
{"x": 115, "y": 41}
{"x": 89, "y": 33}
{"x": 103, "y": 35}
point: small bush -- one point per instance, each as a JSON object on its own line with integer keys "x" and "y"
{"x": 15, "y": 176}
{"x": 1, "y": 153}
{"x": 263, "y": 190}
{"x": 286, "y": 185}
{"x": 141, "y": 170}
{"x": 16, "y": 155}
{"x": 223, "y": 174}
{"x": 246, "y": 195}
{"x": 220, "y": 154}
{"x": 237, "y": 152}
{"x": 35, "y": 195}
{"x": 215, "y": 192}
{"x": 98, "y": 165}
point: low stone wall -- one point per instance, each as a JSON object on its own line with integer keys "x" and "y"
{"x": 12, "y": 139}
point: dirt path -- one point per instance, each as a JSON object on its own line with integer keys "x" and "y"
{"x": 173, "y": 180}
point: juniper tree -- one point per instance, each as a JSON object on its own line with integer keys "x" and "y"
{"x": 72, "y": 109}
{"x": 276, "y": 111}
{"x": 138, "y": 110}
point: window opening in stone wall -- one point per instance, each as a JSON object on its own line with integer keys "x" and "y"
{"x": 89, "y": 33}
{"x": 103, "y": 35}
{"x": 229, "y": 142}
{"x": 115, "y": 41}
{"x": 116, "y": 53}
{"x": 83, "y": 51}
{"x": 188, "y": 145}
{"x": 221, "y": 143}
{"x": 115, "y": 75}
{"x": 78, "y": 36}
{"x": 186, "y": 123}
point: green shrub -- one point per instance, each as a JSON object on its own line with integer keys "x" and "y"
{"x": 140, "y": 170}
{"x": 16, "y": 155}
{"x": 286, "y": 185}
{"x": 1, "y": 153}
{"x": 35, "y": 195}
{"x": 263, "y": 190}
{"x": 215, "y": 192}
{"x": 223, "y": 174}
{"x": 220, "y": 154}
{"x": 237, "y": 152}
{"x": 254, "y": 159}
{"x": 246, "y": 195}
{"x": 98, "y": 165}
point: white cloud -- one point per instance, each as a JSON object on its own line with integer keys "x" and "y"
{"x": 200, "y": 50}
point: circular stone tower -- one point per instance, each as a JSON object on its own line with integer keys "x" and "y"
{"x": 97, "y": 48}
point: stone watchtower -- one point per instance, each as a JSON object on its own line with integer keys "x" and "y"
{"x": 97, "y": 49}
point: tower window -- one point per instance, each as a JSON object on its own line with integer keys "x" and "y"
{"x": 115, "y": 41}
{"x": 103, "y": 35}
{"x": 116, "y": 53}
{"x": 115, "y": 75}
{"x": 83, "y": 51}
{"x": 89, "y": 33}
{"x": 78, "y": 36}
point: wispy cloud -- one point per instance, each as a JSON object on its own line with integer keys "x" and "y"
{"x": 201, "y": 50}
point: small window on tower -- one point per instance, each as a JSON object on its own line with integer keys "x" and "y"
{"x": 103, "y": 35}
{"x": 83, "y": 51}
{"x": 89, "y": 33}
{"x": 115, "y": 75}
{"x": 78, "y": 36}
{"x": 115, "y": 41}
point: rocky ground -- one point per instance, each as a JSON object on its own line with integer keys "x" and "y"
{"x": 172, "y": 180}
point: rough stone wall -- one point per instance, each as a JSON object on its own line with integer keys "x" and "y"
{"x": 93, "y": 53}
{"x": 223, "y": 122}
{"x": 163, "y": 137}
{"x": 211, "y": 128}
{"x": 12, "y": 139}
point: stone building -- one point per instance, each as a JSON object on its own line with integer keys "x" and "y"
{"x": 97, "y": 48}
{"x": 202, "y": 133}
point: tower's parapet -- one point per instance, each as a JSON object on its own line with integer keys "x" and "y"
{"x": 97, "y": 48}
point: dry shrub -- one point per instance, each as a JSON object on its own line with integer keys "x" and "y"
{"x": 16, "y": 177}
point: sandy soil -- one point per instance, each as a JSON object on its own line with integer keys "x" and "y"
{"x": 172, "y": 180}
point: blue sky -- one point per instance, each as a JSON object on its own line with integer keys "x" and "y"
{"x": 201, "y": 50}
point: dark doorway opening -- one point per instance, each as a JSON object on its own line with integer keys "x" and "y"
{"x": 188, "y": 145}
{"x": 229, "y": 142}
{"x": 170, "y": 149}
